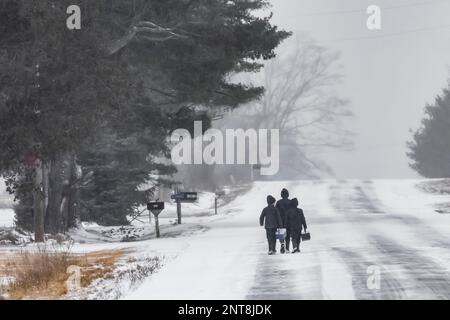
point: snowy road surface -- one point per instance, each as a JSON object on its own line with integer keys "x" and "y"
{"x": 359, "y": 229}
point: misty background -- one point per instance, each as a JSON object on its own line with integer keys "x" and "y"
{"x": 388, "y": 75}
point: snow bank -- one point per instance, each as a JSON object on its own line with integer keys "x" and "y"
{"x": 6, "y": 218}
{"x": 6, "y": 203}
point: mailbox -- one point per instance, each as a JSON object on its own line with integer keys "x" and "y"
{"x": 185, "y": 197}
{"x": 155, "y": 207}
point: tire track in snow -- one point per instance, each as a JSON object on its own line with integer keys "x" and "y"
{"x": 427, "y": 233}
{"x": 424, "y": 276}
{"x": 347, "y": 198}
{"x": 428, "y": 276}
{"x": 357, "y": 263}
{"x": 273, "y": 281}
{"x": 352, "y": 202}
{"x": 286, "y": 277}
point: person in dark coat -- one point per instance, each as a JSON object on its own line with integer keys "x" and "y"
{"x": 295, "y": 220}
{"x": 283, "y": 206}
{"x": 270, "y": 218}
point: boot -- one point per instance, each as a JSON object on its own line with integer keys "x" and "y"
{"x": 282, "y": 250}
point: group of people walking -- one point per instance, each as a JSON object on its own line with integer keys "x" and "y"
{"x": 285, "y": 217}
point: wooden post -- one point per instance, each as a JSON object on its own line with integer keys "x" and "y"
{"x": 179, "y": 211}
{"x": 157, "y": 226}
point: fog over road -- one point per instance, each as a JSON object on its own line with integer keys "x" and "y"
{"x": 357, "y": 228}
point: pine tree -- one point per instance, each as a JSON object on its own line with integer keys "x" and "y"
{"x": 63, "y": 91}
{"x": 430, "y": 148}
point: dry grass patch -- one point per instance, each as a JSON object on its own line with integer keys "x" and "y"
{"x": 42, "y": 273}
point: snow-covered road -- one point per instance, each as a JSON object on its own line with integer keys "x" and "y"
{"x": 358, "y": 228}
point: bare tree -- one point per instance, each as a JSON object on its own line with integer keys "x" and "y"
{"x": 301, "y": 101}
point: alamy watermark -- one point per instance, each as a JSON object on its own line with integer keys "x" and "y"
{"x": 73, "y": 22}
{"x": 373, "y": 277}
{"x": 373, "y": 21}
{"x": 74, "y": 280}
{"x": 237, "y": 146}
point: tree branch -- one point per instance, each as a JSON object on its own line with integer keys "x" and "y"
{"x": 145, "y": 30}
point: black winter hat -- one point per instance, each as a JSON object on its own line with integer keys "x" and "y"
{"x": 294, "y": 203}
{"x": 270, "y": 200}
{"x": 284, "y": 193}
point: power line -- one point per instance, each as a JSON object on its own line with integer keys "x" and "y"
{"x": 387, "y": 35}
{"x": 337, "y": 12}
{"x": 324, "y": 150}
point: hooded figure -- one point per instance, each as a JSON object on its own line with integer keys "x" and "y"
{"x": 295, "y": 220}
{"x": 283, "y": 206}
{"x": 270, "y": 218}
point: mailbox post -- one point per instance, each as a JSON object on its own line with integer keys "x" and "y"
{"x": 179, "y": 211}
{"x": 156, "y": 208}
{"x": 218, "y": 194}
{"x": 158, "y": 234}
{"x": 181, "y": 197}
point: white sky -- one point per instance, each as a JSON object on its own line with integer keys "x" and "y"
{"x": 388, "y": 79}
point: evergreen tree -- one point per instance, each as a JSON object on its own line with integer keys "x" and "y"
{"x": 430, "y": 148}
{"x": 127, "y": 74}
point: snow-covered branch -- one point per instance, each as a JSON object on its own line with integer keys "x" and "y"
{"x": 145, "y": 30}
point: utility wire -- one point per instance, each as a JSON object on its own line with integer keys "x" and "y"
{"x": 387, "y": 35}
{"x": 337, "y": 12}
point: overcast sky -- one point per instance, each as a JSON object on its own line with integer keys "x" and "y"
{"x": 389, "y": 74}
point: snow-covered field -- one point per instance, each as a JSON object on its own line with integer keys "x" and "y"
{"x": 360, "y": 229}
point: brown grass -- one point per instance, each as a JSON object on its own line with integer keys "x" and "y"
{"x": 42, "y": 273}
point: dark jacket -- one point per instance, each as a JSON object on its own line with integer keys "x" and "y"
{"x": 283, "y": 206}
{"x": 270, "y": 218}
{"x": 295, "y": 219}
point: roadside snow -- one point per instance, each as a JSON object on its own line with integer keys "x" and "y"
{"x": 127, "y": 276}
{"x": 6, "y": 218}
{"x": 6, "y": 203}
{"x": 94, "y": 233}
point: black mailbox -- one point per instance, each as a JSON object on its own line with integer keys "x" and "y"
{"x": 185, "y": 196}
{"x": 155, "y": 207}
{"x": 220, "y": 193}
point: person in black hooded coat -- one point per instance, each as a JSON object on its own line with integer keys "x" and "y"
{"x": 283, "y": 206}
{"x": 295, "y": 220}
{"x": 270, "y": 218}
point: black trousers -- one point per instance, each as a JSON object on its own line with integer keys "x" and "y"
{"x": 296, "y": 238}
{"x": 287, "y": 239}
{"x": 271, "y": 238}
